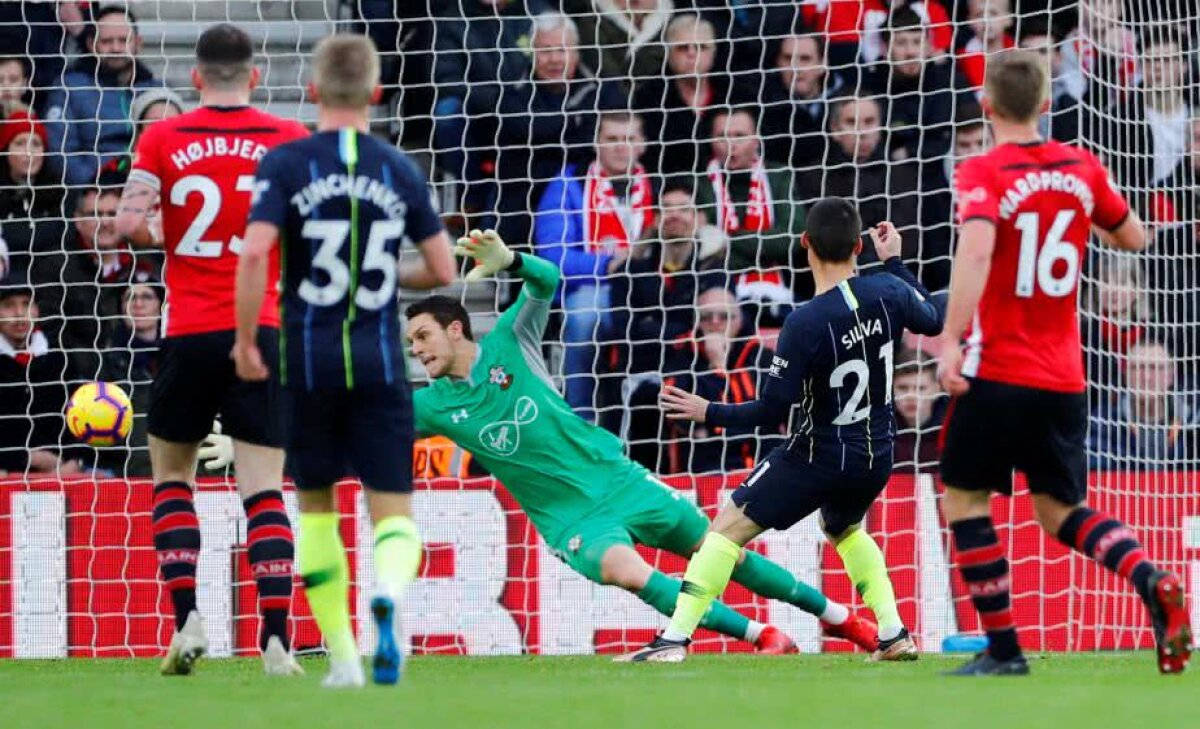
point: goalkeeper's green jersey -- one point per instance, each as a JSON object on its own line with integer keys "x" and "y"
{"x": 509, "y": 415}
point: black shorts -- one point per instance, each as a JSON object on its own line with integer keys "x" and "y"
{"x": 196, "y": 380}
{"x": 785, "y": 488}
{"x": 997, "y": 428}
{"x": 365, "y": 432}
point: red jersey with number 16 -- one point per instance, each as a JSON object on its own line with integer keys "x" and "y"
{"x": 202, "y": 164}
{"x": 1043, "y": 199}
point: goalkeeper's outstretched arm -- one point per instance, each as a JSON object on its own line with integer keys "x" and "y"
{"x": 528, "y": 316}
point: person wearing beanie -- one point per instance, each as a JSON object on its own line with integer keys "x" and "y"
{"x": 31, "y": 204}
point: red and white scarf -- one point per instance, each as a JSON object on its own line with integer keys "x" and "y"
{"x": 608, "y": 226}
{"x": 760, "y": 208}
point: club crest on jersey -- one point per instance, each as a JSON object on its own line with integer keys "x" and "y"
{"x": 575, "y": 543}
{"x": 497, "y": 376}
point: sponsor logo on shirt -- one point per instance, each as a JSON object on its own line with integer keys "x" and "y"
{"x": 778, "y": 365}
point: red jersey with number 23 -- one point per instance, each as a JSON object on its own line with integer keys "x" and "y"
{"x": 202, "y": 164}
{"x": 1043, "y": 199}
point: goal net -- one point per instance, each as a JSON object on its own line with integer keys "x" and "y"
{"x": 663, "y": 154}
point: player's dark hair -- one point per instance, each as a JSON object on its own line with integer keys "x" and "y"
{"x": 678, "y": 183}
{"x": 834, "y": 229}
{"x": 444, "y": 310}
{"x": 224, "y": 55}
{"x": 1017, "y": 83}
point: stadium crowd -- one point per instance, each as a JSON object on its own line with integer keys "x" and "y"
{"x": 662, "y": 153}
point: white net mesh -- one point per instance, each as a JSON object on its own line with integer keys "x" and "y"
{"x": 676, "y": 230}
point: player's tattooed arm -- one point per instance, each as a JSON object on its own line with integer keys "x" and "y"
{"x": 136, "y": 217}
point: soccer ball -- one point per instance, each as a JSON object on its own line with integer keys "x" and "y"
{"x": 99, "y": 414}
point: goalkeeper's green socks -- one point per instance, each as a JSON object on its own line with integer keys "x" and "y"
{"x": 706, "y": 577}
{"x": 662, "y": 592}
{"x": 397, "y": 554}
{"x": 864, "y": 563}
{"x": 764, "y": 577}
{"x": 326, "y": 575}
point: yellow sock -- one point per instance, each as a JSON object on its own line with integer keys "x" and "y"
{"x": 326, "y": 575}
{"x": 397, "y": 554}
{"x": 864, "y": 563}
{"x": 706, "y": 577}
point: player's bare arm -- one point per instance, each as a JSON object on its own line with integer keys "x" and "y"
{"x": 434, "y": 269}
{"x": 972, "y": 262}
{"x": 886, "y": 239}
{"x": 134, "y": 213}
{"x": 251, "y": 284}
{"x": 1130, "y": 235}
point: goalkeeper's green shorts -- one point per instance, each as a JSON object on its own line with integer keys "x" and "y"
{"x": 646, "y": 511}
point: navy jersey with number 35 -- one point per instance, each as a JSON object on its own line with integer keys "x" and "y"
{"x": 835, "y": 361}
{"x": 344, "y": 203}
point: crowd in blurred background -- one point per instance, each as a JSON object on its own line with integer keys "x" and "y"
{"x": 662, "y": 153}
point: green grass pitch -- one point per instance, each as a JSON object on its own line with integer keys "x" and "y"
{"x": 1089, "y": 691}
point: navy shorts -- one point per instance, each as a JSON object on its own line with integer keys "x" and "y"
{"x": 997, "y": 428}
{"x": 366, "y": 432}
{"x": 196, "y": 381}
{"x": 785, "y": 488}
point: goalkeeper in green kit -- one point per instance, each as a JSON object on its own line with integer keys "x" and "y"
{"x": 590, "y": 502}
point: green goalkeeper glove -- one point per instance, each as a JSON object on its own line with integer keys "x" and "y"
{"x": 490, "y": 254}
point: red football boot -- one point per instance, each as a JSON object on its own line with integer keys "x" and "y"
{"x": 774, "y": 642}
{"x": 857, "y": 629}
{"x": 1172, "y": 626}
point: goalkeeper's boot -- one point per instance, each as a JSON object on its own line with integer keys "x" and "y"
{"x": 1172, "y": 627}
{"x": 278, "y": 661}
{"x": 774, "y": 642}
{"x": 385, "y": 666}
{"x": 983, "y": 664}
{"x": 659, "y": 650}
{"x": 344, "y": 674}
{"x": 187, "y": 646}
{"x": 900, "y": 648}
{"x": 858, "y": 630}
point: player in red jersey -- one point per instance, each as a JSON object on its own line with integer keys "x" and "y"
{"x": 1026, "y": 210}
{"x": 200, "y": 167}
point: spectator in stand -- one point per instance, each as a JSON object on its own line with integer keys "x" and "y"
{"x": 81, "y": 286}
{"x": 622, "y": 39}
{"x": 843, "y": 23}
{"x": 480, "y": 47}
{"x": 756, "y": 205}
{"x": 88, "y": 119}
{"x": 744, "y": 29}
{"x": 857, "y": 168}
{"x": 655, "y": 306}
{"x": 987, "y": 31}
{"x": 1144, "y": 137}
{"x": 1150, "y": 427}
{"x": 547, "y": 122}
{"x": 1116, "y": 318}
{"x": 132, "y": 363}
{"x": 920, "y": 92}
{"x": 44, "y": 35}
{"x": 795, "y": 101}
{"x": 677, "y": 108}
{"x": 1062, "y": 123}
{"x": 937, "y": 177}
{"x": 14, "y": 85}
{"x": 34, "y": 377}
{"x": 655, "y": 297}
{"x": 586, "y": 224}
{"x": 30, "y": 201}
{"x": 1102, "y": 49}
{"x": 920, "y": 411}
{"x": 722, "y": 362}
{"x": 149, "y": 106}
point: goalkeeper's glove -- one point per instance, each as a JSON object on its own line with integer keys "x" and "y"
{"x": 216, "y": 450}
{"x": 489, "y": 252}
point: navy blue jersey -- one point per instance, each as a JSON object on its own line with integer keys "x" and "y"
{"x": 344, "y": 203}
{"x": 835, "y": 361}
